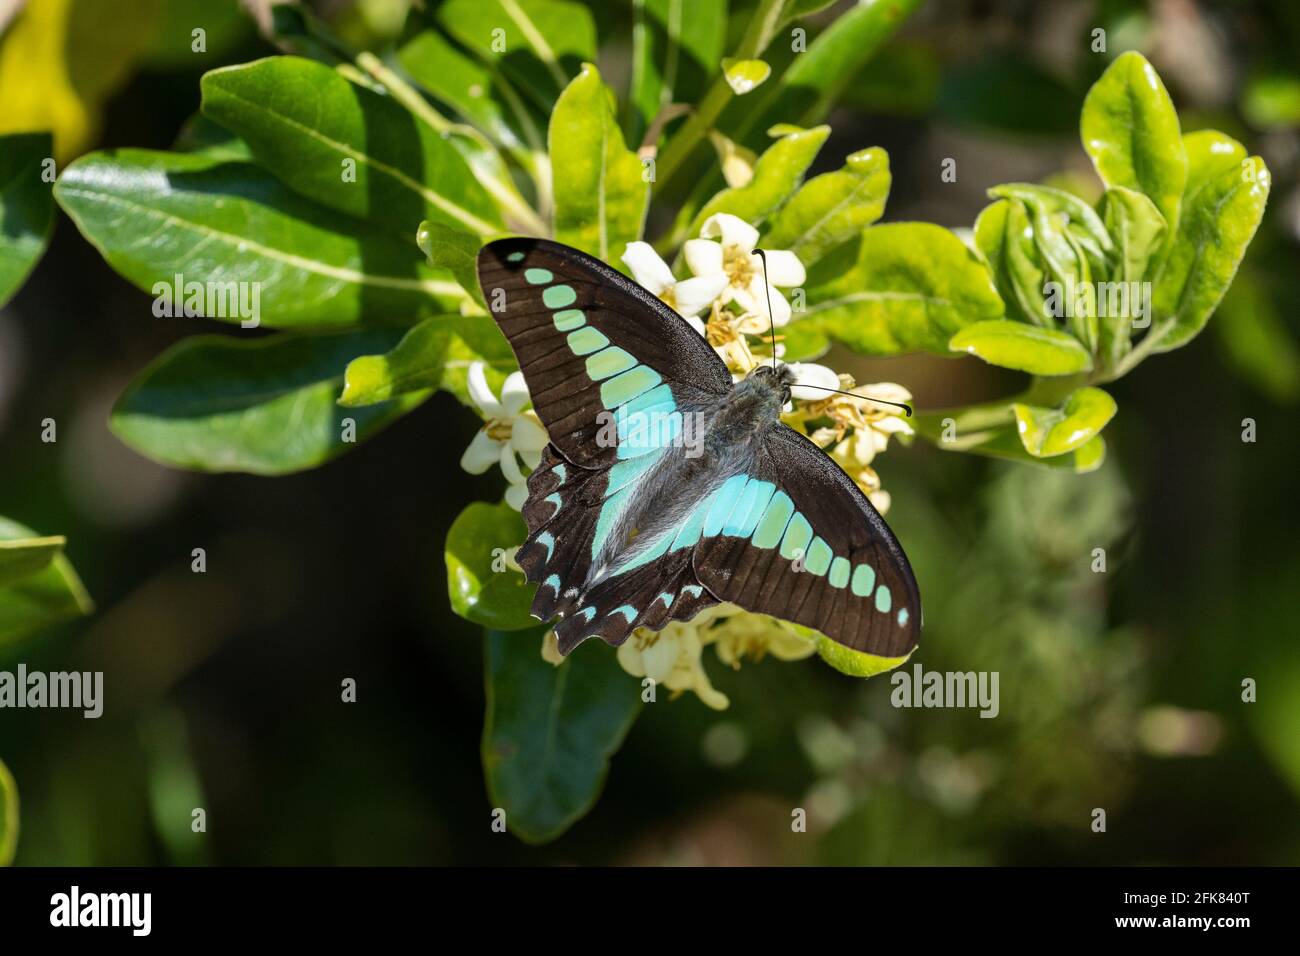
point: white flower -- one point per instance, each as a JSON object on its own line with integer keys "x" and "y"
{"x": 807, "y": 375}
{"x": 671, "y": 657}
{"x": 688, "y": 297}
{"x": 510, "y": 434}
{"x": 733, "y": 258}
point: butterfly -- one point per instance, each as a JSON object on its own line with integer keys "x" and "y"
{"x": 666, "y": 488}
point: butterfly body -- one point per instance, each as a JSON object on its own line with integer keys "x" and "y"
{"x": 666, "y": 488}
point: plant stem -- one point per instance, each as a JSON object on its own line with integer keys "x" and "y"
{"x": 767, "y": 18}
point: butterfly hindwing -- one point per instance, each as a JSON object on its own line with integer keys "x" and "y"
{"x": 588, "y": 339}
{"x": 801, "y": 542}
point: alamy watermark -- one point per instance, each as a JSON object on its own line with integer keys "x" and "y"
{"x": 1125, "y": 300}
{"x": 652, "y": 428}
{"x": 946, "y": 689}
{"x": 75, "y": 690}
{"x": 213, "y": 300}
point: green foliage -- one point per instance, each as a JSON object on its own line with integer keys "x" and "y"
{"x": 551, "y": 731}
{"x": 8, "y": 815}
{"x": 38, "y": 586}
{"x": 26, "y": 208}
{"x": 483, "y": 588}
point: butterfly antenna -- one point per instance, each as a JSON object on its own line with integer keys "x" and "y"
{"x": 767, "y": 289}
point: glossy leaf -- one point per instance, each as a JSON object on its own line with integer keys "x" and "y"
{"x": 265, "y": 406}
{"x": 1048, "y": 432}
{"x": 8, "y": 816}
{"x": 831, "y": 209}
{"x": 26, "y": 208}
{"x": 453, "y": 250}
{"x": 1217, "y": 224}
{"x": 1003, "y": 442}
{"x": 912, "y": 286}
{"x": 1139, "y": 231}
{"x": 676, "y": 48}
{"x": 744, "y": 76}
{"x": 1080, "y": 218}
{"x": 481, "y": 586}
{"x": 535, "y": 45}
{"x": 1130, "y": 129}
{"x": 550, "y": 731}
{"x": 347, "y": 147}
{"x": 1003, "y": 236}
{"x": 777, "y": 175}
{"x": 155, "y": 215}
{"x": 601, "y": 193}
{"x": 434, "y": 354}
{"x": 1026, "y": 348}
{"x": 38, "y": 586}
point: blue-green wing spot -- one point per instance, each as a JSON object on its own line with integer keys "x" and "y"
{"x": 772, "y": 525}
{"x": 586, "y": 340}
{"x": 864, "y": 579}
{"x": 753, "y": 500}
{"x": 610, "y": 362}
{"x": 658, "y": 550}
{"x": 628, "y": 612}
{"x": 566, "y": 320}
{"x": 627, "y": 386}
{"x": 558, "y": 296}
{"x": 560, "y": 472}
{"x": 552, "y": 582}
{"x": 902, "y": 617}
{"x": 724, "y": 501}
{"x": 797, "y": 536}
{"x": 625, "y": 473}
{"x": 554, "y": 499}
{"x": 663, "y": 435}
{"x": 818, "y": 559}
{"x": 639, "y": 413}
{"x": 690, "y": 531}
{"x": 839, "y": 575}
{"x": 693, "y": 590}
{"x": 515, "y": 257}
{"x": 883, "y": 599}
{"x": 609, "y": 511}
{"x": 667, "y": 598}
{"x": 538, "y": 276}
{"x": 548, "y": 542}
{"x": 587, "y": 613}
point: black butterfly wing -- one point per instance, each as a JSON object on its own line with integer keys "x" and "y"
{"x": 803, "y": 543}
{"x": 590, "y": 340}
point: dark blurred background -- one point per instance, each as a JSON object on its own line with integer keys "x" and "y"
{"x": 1119, "y": 690}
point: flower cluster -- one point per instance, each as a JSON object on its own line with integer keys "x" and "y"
{"x": 733, "y": 298}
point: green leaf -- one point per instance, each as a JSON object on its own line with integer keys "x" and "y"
{"x": 600, "y": 193}
{"x": 155, "y": 215}
{"x": 831, "y": 209}
{"x": 1139, "y": 231}
{"x": 1027, "y": 348}
{"x": 264, "y": 406}
{"x": 453, "y": 250}
{"x": 201, "y": 135}
{"x": 481, "y": 586}
{"x": 1048, "y": 432}
{"x": 26, "y": 556}
{"x": 855, "y": 663}
{"x": 434, "y": 354}
{"x": 550, "y": 731}
{"x": 1006, "y": 91}
{"x": 1217, "y": 224}
{"x": 1080, "y": 218}
{"x": 911, "y": 286}
{"x": 777, "y": 175}
{"x": 347, "y": 147}
{"x": 1004, "y": 238}
{"x": 473, "y": 90}
{"x": 8, "y": 816}
{"x": 535, "y": 45}
{"x": 1130, "y": 129}
{"x": 38, "y": 586}
{"x": 676, "y": 45}
{"x": 1210, "y": 154}
{"x": 745, "y": 76}
{"x": 26, "y": 208}
{"x": 1002, "y": 441}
